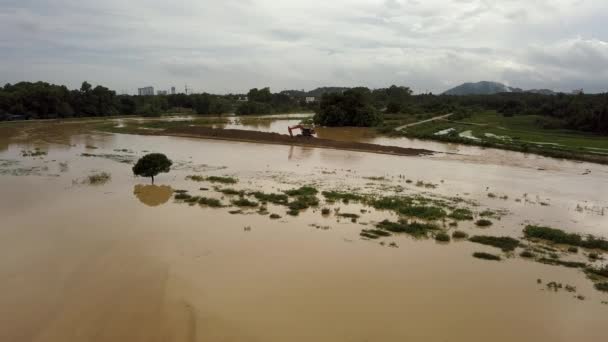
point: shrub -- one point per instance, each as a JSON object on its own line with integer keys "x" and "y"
{"x": 527, "y": 254}
{"x": 302, "y": 191}
{"x": 414, "y": 228}
{"x": 503, "y": 242}
{"x": 272, "y": 198}
{"x": 572, "y": 249}
{"x": 275, "y": 216}
{"x": 486, "y": 256}
{"x": 602, "y": 286}
{"x": 345, "y": 197}
{"x": 552, "y": 234}
{"x": 99, "y": 178}
{"x": 325, "y": 211}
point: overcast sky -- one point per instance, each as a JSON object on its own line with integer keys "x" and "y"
{"x": 233, "y": 45}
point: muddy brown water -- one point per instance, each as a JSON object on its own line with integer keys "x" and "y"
{"x": 123, "y": 262}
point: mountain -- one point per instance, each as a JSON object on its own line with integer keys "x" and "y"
{"x": 479, "y": 88}
{"x": 489, "y": 88}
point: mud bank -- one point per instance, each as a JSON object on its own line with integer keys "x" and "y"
{"x": 275, "y": 138}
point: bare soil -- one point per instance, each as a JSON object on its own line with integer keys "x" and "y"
{"x": 283, "y": 139}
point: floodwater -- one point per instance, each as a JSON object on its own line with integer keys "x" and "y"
{"x": 122, "y": 261}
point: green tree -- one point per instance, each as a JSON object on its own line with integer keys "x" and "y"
{"x": 151, "y": 165}
{"x": 351, "y": 108}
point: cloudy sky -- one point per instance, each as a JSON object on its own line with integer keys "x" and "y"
{"x": 232, "y": 45}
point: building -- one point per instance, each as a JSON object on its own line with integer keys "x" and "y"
{"x": 145, "y": 91}
{"x": 243, "y": 99}
{"x": 172, "y": 90}
{"x": 161, "y": 92}
{"x": 310, "y": 99}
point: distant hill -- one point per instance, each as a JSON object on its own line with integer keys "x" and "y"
{"x": 315, "y": 92}
{"x": 489, "y": 88}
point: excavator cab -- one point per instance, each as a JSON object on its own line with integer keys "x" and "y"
{"x": 308, "y": 132}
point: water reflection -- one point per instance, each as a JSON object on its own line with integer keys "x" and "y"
{"x": 153, "y": 195}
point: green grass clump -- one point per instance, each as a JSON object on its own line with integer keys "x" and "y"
{"x": 195, "y": 178}
{"x": 182, "y": 196}
{"x": 461, "y": 214}
{"x": 302, "y": 191}
{"x": 527, "y": 254}
{"x": 442, "y": 237}
{"x": 602, "y": 286}
{"x": 598, "y": 271}
{"x": 483, "y": 223}
{"x": 223, "y": 180}
{"x": 99, "y": 178}
{"x": 560, "y": 236}
{"x": 457, "y": 234}
{"x": 345, "y": 197}
{"x": 572, "y": 249}
{"x": 271, "y": 198}
{"x": 374, "y": 233}
{"x": 412, "y": 228}
{"x": 210, "y": 202}
{"x": 275, "y": 216}
{"x": 230, "y": 191}
{"x": 486, "y": 256}
{"x": 303, "y": 202}
{"x": 423, "y": 212}
{"x": 293, "y": 212}
{"x": 503, "y": 242}
{"x": 557, "y": 262}
{"x": 325, "y": 211}
{"x": 243, "y": 202}
{"x": 192, "y": 199}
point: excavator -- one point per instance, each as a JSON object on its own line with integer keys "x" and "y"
{"x": 308, "y": 132}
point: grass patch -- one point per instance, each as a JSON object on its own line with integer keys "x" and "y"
{"x": 602, "y": 286}
{"x": 462, "y": 214}
{"x": 483, "y": 223}
{"x": 598, "y": 271}
{"x": 442, "y": 237}
{"x": 182, "y": 196}
{"x": 349, "y": 215}
{"x": 98, "y": 178}
{"x": 486, "y": 256}
{"x": 302, "y": 202}
{"x": 560, "y": 236}
{"x": 412, "y": 228}
{"x": 557, "y": 262}
{"x": 271, "y": 198}
{"x": 230, "y": 191}
{"x": 345, "y": 197}
{"x": 210, "y": 202}
{"x": 374, "y": 233}
{"x": 243, "y": 202}
{"x": 325, "y": 211}
{"x": 423, "y": 212}
{"x": 302, "y": 191}
{"x": 275, "y": 216}
{"x": 505, "y": 243}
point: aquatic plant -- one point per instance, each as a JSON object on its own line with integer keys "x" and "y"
{"x": 345, "y": 197}
{"x": 527, "y": 254}
{"x": 272, "y": 198}
{"x": 602, "y": 286}
{"x": 560, "y": 236}
{"x": 461, "y": 214}
{"x": 505, "y": 243}
{"x": 210, "y": 202}
{"x": 275, "y": 216}
{"x": 412, "y": 228}
{"x": 213, "y": 179}
{"x": 302, "y": 191}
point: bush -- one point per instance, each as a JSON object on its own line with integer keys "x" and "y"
{"x": 99, "y": 178}
{"x": 325, "y": 211}
{"x": 602, "y": 286}
{"x": 552, "y": 234}
{"x": 243, "y": 202}
{"x": 461, "y": 214}
{"x": 486, "y": 256}
{"x": 302, "y": 191}
{"x": 414, "y": 228}
{"x": 527, "y": 254}
{"x": 210, "y": 202}
{"x": 275, "y": 216}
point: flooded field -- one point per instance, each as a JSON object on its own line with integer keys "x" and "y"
{"x": 86, "y": 257}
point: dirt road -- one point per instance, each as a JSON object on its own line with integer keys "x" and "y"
{"x": 423, "y": 121}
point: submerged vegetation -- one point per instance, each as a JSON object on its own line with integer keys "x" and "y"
{"x": 486, "y": 256}
{"x": 561, "y": 237}
{"x": 212, "y": 179}
{"x": 505, "y": 243}
{"x": 415, "y": 229}
{"x": 98, "y": 178}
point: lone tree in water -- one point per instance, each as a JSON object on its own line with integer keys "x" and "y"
{"x": 151, "y": 165}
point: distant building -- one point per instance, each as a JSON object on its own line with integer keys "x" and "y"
{"x": 577, "y": 91}
{"x": 243, "y": 99}
{"x": 161, "y": 92}
{"x": 310, "y": 99}
{"x": 145, "y": 91}
{"x": 172, "y": 90}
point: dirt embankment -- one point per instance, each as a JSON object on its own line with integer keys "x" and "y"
{"x": 275, "y": 138}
